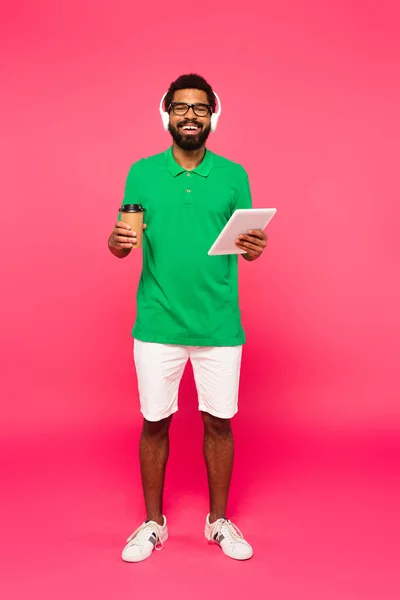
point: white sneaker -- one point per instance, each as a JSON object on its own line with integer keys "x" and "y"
{"x": 228, "y": 536}
{"x": 149, "y": 536}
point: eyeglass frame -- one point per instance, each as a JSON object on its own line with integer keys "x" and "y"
{"x": 190, "y": 106}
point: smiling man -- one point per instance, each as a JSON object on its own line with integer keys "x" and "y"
{"x": 187, "y": 306}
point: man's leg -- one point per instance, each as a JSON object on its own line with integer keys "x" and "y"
{"x": 159, "y": 370}
{"x": 154, "y": 446}
{"x": 153, "y": 451}
{"x": 217, "y": 374}
{"x": 218, "y": 454}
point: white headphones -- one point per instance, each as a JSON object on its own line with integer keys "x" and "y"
{"x": 214, "y": 116}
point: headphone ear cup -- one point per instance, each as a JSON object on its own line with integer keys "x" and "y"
{"x": 165, "y": 119}
{"x": 214, "y": 122}
{"x": 215, "y": 116}
{"x": 164, "y": 114}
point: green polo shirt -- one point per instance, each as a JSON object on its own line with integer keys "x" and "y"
{"x": 185, "y": 296}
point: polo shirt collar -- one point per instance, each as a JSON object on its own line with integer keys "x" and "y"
{"x": 202, "y": 169}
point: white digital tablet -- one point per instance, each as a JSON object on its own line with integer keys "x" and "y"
{"x": 242, "y": 220}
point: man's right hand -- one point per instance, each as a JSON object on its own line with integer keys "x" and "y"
{"x": 122, "y": 239}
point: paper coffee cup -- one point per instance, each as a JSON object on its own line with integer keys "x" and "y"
{"x": 133, "y": 215}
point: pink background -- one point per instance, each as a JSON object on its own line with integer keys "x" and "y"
{"x": 311, "y": 96}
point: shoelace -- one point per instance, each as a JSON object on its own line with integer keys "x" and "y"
{"x": 234, "y": 532}
{"x": 142, "y": 534}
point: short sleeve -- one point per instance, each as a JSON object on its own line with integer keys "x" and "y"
{"x": 131, "y": 186}
{"x": 243, "y": 195}
{"x": 132, "y": 183}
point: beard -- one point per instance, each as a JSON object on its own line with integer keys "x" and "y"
{"x": 189, "y": 142}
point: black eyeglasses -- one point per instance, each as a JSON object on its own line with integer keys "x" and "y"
{"x": 181, "y": 108}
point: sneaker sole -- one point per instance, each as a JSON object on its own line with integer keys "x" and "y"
{"x": 130, "y": 560}
{"x": 212, "y": 543}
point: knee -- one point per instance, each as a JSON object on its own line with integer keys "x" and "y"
{"x": 215, "y": 426}
{"x": 155, "y": 429}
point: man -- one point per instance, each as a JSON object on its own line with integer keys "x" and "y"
{"x": 187, "y": 306}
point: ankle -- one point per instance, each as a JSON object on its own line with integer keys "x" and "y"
{"x": 157, "y": 518}
{"x": 215, "y": 515}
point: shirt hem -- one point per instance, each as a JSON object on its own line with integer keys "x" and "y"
{"x": 182, "y": 341}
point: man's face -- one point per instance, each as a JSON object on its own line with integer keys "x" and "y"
{"x": 189, "y": 130}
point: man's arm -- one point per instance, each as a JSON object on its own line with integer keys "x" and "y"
{"x": 122, "y": 237}
{"x": 255, "y": 241}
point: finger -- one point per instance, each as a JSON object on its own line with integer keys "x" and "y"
{"x": 144, "y": 226}
{"x": 258, "y": 233}
{"x": 250, "y": 251}
{"x": 254, "y": 239}
{"x": 119, "y": 245}
{"x": 248, "y": 247}
{"x": 125, "y": 240}
{"x": 257, "y": 247}
{"x": 122, "y": 231}
{"x": 124, "y": 246}
{"x": 122, "y": 225}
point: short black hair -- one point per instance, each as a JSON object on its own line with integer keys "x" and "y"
{"x": 190, "y": 82}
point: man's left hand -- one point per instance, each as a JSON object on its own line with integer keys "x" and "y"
{"x": 254, "y": 243}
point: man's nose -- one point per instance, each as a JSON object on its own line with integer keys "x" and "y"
{"x": 190, "y": 113}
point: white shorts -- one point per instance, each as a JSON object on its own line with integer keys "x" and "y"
{"x": 160, "y": 367}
